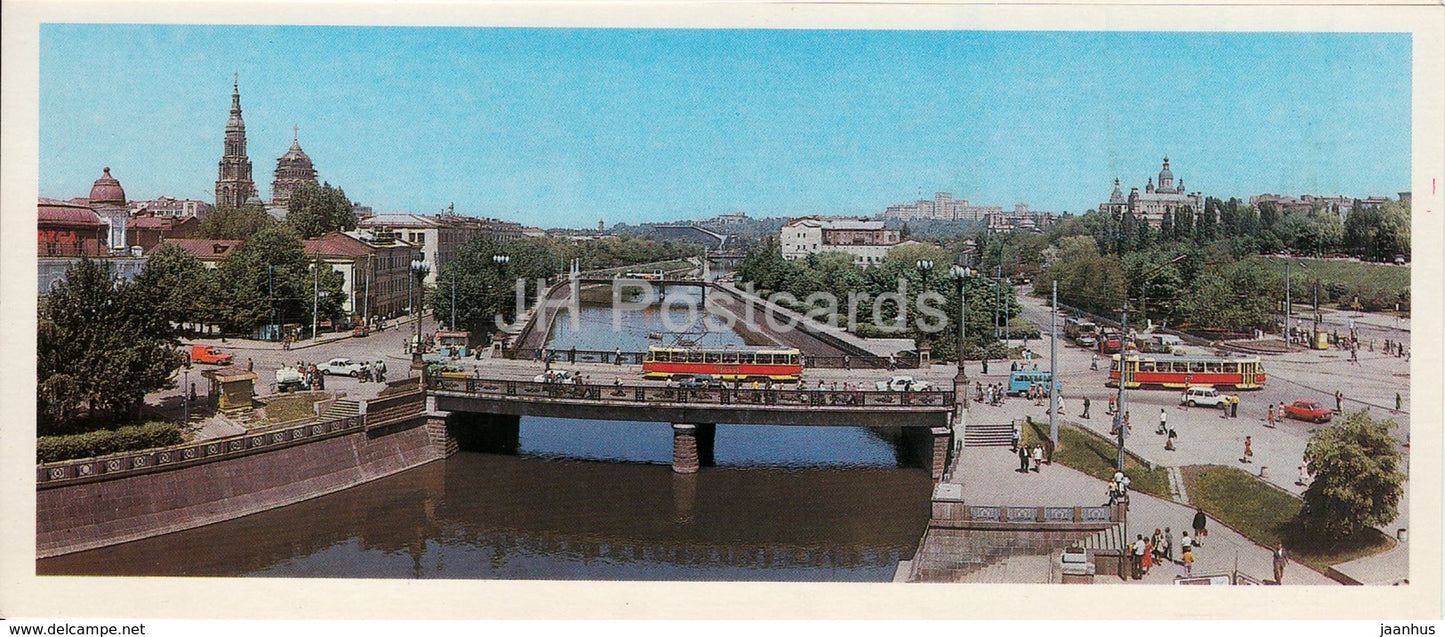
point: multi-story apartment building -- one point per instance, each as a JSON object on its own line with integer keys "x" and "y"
{"x": 376, "y": 271}
{"x": 438, "y": 237}
{"x": 942, "y": 207}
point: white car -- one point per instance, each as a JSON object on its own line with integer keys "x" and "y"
{"x": 901, "y": 383}
{"x": 340, "y": 367}
{"x": 1207, "y": 396}
{"x": 554, "y": 376}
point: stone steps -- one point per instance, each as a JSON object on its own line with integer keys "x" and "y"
{"x": 342, "y": 408}
{"x": 988, "y": 435}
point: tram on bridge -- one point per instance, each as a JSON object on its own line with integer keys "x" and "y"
{"x": 727, "y": 363}
{"x": 1179, "y": 372}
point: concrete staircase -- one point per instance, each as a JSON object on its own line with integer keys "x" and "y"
{"x": 988, "y": 434}
{"x": 341, "y": 408}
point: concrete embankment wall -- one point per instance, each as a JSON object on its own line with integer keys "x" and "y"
{"x": 87, "y": 515}
{"x": 818, "y": 334}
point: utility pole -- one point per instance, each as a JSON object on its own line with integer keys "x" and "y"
{"x": 1053, "y": 367}
{"x": 366, "y": 305}
{"x": 271, "y": 298}
{"x": 315, "y": 295}
{"x": 1286, "y": 305}
{"x": 1123, "y": 367}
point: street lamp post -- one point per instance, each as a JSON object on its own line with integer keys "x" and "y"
{"x": 960, "y": 380}
{"x": 1053, "y": 366}
{"x": 186, "y": 398}
{"x": 924, "y": 267}
{"x": 1123, "y": 339}
{"x": 419, "y": 269}
{"x": 502, "y": 260}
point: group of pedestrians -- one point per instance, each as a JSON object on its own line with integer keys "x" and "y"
{"x": 993, "y": 394}
{"x": 1030, "y": 457}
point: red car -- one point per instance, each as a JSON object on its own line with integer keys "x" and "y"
{"x": 1307, "y": 410}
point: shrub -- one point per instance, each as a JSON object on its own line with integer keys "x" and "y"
{"x": 107, "y": 441}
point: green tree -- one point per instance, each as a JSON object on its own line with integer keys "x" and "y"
{"x": 235, "y": 223}
{"x": 1357, "y": 479}
{"x": 271, "y": 278}
{"x": 316, "y": 210}
{"x": 173, "y": 282}
{"x": 101, "y": 347}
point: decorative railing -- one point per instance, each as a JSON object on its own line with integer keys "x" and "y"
{"x": 1005, "y": 515}
{"x": 611, "y": 357}
{"x": 149, "y": 460}
{"x": 662, "y": 395}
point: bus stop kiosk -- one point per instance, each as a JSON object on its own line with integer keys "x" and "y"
{"x": 453, "y": 344}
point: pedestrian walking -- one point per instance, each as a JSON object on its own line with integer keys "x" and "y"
{"x": 1339, "y": 402}
{"x": 1234, "y": 407}
{"x": 1200, "y": 532}
{"x": 1139, "y": 547}
{"x": 1269, "y": 419}
{"x": 1163, "y": 423}
{"x": 1397, "y": 403}
{"x": 380, "y": 371}
{"x": 1188, "y": 560}
{"x": 1094, "y": 363}
{"x": 1085, "y": 415}
{"x": 1186, "y": 543}
{"x": 1147, "y": 561}
{"x": 1156, "y": 543}
{"x": 1023, "y": 459}
{"x": 250, "y": 365}
{"x": 1168, "y": 544}
{"x": 1248, "y": 451}
{"x": 1113, "y": 404}
{"x": 1281, "y": 558}
{"x": 1017, "y": 437}
{"x": 1038, "y": 456}
{"x": 1169, "y": 440}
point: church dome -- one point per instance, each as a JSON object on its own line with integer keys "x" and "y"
{"x": 107, "y": 191}
{"x": 1166, "y": 177}
{"x": 295, "y": 156}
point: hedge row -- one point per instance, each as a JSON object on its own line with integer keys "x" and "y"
{"x": 107, "y": 441}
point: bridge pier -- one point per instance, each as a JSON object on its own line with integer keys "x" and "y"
{"x": 942, "y": 447}
{"x": 692, "y": 446}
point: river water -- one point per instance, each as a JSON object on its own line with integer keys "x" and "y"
{"x": 583, "y": 500}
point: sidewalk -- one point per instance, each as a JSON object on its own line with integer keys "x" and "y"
{"x": 989, "y": 477}
{"x": 277, "y": 346}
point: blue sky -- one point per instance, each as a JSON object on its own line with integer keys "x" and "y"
{"x": 561, "y": 127}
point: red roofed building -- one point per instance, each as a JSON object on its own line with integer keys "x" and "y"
{"x": 375, "y": 272}
{"x": 69, "y": 230}
{"x": 147, "y": 232}
{"x": 210, "y": 252}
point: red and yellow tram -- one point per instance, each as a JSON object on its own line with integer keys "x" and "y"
{"x": 727, "y": 363}
{"x": 1178, "y": 372}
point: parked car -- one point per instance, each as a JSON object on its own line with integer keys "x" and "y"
{"x": 340, "y": 367}
{"x": 555, "y": 376}
{"x": 700, "y": 381}
{"x": 1207, "y": 396}
{"x": 210, "y": 355}
{"x": 901, "y": 383}
{"x": 1307, "y": 410}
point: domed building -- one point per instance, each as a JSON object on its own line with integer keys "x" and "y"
{"x": 1156, "y": 202}
{"x": 107, "y": 199}
{"x": 292, "y": 169}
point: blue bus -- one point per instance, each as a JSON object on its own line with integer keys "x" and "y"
{"x": 1020, "y": 381}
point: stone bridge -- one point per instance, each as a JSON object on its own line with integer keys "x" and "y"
{"x": 694, "y": 413}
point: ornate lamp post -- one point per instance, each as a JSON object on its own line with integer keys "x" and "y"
{"x": 960, "y": 380}
{"x": 419, "y": 270}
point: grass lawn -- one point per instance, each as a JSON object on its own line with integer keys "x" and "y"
{"x": 1266, "y": 515}
{"x": 288, "y": 408}
{"x": 1347, "y": 274}
{"x": 1086, "y": 452}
